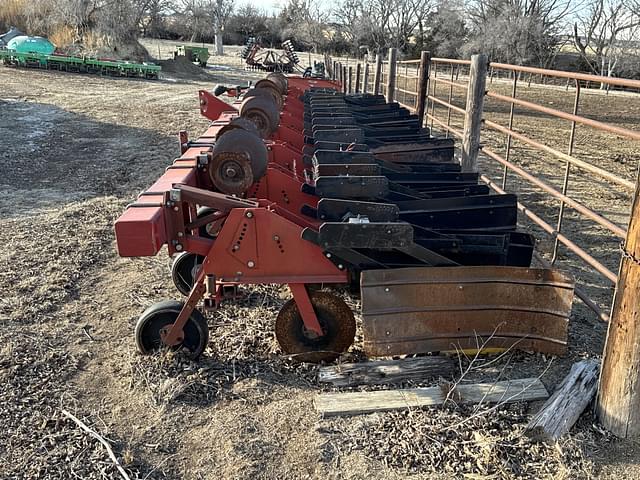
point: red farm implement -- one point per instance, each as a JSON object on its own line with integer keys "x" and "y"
{"x": 299, "y": 184}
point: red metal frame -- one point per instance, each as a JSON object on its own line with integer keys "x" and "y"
{"x": 259, "y": 242}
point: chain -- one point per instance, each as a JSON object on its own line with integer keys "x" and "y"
{"x": 626, "y": 254}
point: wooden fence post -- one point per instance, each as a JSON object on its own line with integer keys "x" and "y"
{"x": 350, "y": 80}
{"x": 365, "y": 78}
{"x": 423, "y": 82}
{"x": 618, "y": 404}
{"x": 377, "y": 75}
{"x": 358, "y": 69}
{"x": 391, "y": 77}
{"x": 344, "y": 79}
{"x": 473, "y": 116}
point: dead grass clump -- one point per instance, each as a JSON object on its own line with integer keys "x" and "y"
{"x": 421, "y": 441}
{"x": 63, "y": 36}
{"x": 12, "y": 12}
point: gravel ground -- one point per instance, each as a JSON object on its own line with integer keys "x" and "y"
{"x": 74, "y": 150}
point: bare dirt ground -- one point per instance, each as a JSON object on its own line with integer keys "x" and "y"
{"x": 74, "y": 150}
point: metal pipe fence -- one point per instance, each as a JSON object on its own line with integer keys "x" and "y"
{"x": 446, "y": 109}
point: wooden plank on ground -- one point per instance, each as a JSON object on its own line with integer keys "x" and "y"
{"x": 387, "y": 371}
{"x": 353, "y": 403}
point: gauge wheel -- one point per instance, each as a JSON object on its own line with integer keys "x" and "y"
{"x": 337, "y": 322}
{"x": 184, "y": 270}
{"x": 163, "y": 314}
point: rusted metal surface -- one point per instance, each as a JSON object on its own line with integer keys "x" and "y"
{"x": 239, "y": 159}
{"x": 263, "y": 112}
{"x": 418, "y": 310}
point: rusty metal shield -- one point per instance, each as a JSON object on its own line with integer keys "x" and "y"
{"x": 419, "y": 310}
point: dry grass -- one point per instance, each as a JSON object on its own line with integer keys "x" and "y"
{"x": 63, "y": 36}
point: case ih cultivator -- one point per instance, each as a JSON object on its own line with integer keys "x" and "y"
{"x": 299, "y": 184}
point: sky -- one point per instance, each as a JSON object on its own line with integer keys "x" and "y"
{"x": 270, "y": 6}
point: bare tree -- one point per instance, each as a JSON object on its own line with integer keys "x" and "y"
{"x": 306, "y": 21}
{"x": 221, "y": 13}
{"x": 604, "y": 33}
{"x": 383, "y": 23}
{"x": 517, "y": 31}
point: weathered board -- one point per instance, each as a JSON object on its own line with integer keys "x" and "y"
{"x": 564, "y": 407}
{"x": 353, "y": 403}
{"x": 387, "y": 371}
{"x": 420, "y": 310}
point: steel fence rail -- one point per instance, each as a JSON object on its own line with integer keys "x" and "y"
{"x": 625, "y": 132}
{"x": 444, "y": 72}
{"x": 573, "y": 160}
{"x": 621, "y": 82}
{"x": 587, "y": 212}
{"x": 555, "y": 234}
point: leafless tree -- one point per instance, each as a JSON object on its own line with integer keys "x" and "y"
{"x": 517, "y": 31}
{"x": 604, "y": 34}
{"x": 383, "y": 23}
{"x": 306, "y": 21}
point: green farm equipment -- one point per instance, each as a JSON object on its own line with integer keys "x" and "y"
{"x": 66, "y": 63}
{"x": 198, "y": 55}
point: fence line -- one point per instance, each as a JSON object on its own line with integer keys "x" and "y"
{"x": 454, "y": 76}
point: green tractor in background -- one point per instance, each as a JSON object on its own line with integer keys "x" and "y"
{"x": 198, "y": 55}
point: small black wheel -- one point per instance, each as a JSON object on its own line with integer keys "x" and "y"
{"x": 337, "y": 322}
{"x": 163, "y": 314}
{"x": 184, "y": 270}
{"x": 210, "y": 230}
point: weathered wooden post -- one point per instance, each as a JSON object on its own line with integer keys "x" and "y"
{"x": 473, "y": 116}
{"x": 391, "y": 77}
{"x": 423, "y": 82}
{"x": 344, "y": 79}
{"x": 365, "y": 78}
{"x": 377, "y": 76}
{"x": 358, "y": 69}
{"x": 350, "y": 80}
{"x": 618, "y": 404}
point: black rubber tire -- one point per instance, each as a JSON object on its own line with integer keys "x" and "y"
{"x": 161, "y": 314}
{"x": 183, "y": 271}
{"x": 336, "y": 319}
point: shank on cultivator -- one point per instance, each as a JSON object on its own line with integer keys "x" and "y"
{"x": 299, "y": 184}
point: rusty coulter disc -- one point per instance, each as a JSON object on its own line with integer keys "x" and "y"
{"x": 280, "y": 80}
{"x": 266, "y": 90}
{"x": 231, "y": 172}
{"x": 336, "y": 320}
{"x": 238, "y": 123}
{"x": 263, "y": 112}
{"x": 239, "y": 159}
